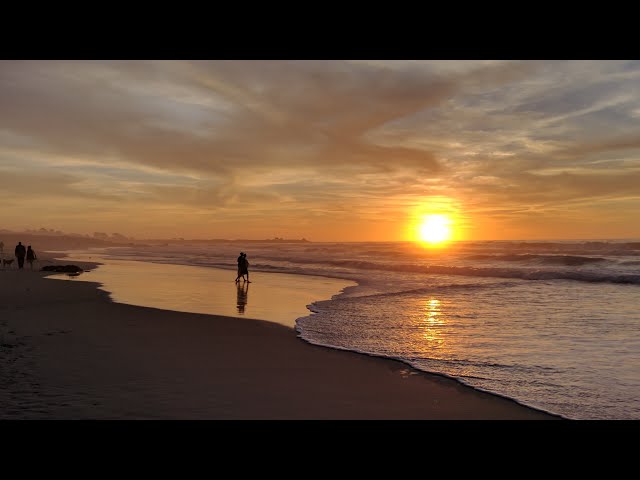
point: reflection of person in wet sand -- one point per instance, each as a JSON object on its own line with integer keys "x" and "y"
{"x": 243, "y": 293}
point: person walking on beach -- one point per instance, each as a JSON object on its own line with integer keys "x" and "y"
{"x": 245, "y": 267}
{"x": 240, "y": 266}
{"x": 31, "y": 256}
{"x": 20, "y": 253}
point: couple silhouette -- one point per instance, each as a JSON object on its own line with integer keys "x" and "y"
{"x": 243, "y": 267}
{"x": 20, "y": 253}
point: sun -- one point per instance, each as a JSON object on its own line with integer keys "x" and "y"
{"x": 434, "y": 229}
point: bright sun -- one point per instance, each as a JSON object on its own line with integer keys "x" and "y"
{"x": 434, "y": 229}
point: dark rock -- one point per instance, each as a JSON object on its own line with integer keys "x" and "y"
{"x": 61, "y": 268}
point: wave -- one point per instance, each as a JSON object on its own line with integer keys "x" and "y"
{"x": 631, "y": 263}
{"x": 592, "y": 245}
{"x": 568, "y": 260}
{"x": 352, "y": 267}
{"x": 524, "y": 274}
{"x": 537, "y": 274}
{"x": 420, "y": 291}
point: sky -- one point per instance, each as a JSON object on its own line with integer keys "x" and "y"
{"x": 322, "y": 150}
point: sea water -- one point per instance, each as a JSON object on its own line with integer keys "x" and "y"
{"x": 554, "y": 325}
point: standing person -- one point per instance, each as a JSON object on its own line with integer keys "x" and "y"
{"x": 240, "y": 266}
{"x": 31, "y": 256}
{"x": 20, "y": 253}
{"x": 245, "y": 267}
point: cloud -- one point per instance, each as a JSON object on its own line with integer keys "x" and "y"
{"x": 299, "y": 139}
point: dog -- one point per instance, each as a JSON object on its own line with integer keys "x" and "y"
{"x": 7, "y": 261}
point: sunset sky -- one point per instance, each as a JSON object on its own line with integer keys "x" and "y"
{"x": 326, "y": 150}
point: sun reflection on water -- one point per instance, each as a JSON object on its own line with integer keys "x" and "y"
{"x": 432, "y": 322}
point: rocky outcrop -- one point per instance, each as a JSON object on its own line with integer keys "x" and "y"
{"x": 61, "y": 268}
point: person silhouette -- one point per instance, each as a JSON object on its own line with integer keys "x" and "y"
{"x": 240, "y": 266}
{"x": 31, "y": 256}
{"x": 245, "y": 267}
{"x": 242, "y": 296}
{"x": 20, "y": 253}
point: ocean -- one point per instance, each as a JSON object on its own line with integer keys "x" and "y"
{"x": 551, "y": 324}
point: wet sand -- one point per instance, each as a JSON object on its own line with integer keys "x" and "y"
{"x": 68, "y": 352}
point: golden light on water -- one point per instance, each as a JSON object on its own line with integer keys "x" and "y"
{"x": 432, "y": 322}
{"x": 432, "y": 311}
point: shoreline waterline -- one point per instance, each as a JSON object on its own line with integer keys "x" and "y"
{"x": 413, "y": 370}
{"x": 116, "y": 296}
{"x": 77, "y": 354}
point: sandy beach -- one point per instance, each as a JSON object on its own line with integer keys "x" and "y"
{"x": 68, "y": 352}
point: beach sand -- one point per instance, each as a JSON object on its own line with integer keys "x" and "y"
{"x": 68, "y": 352}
